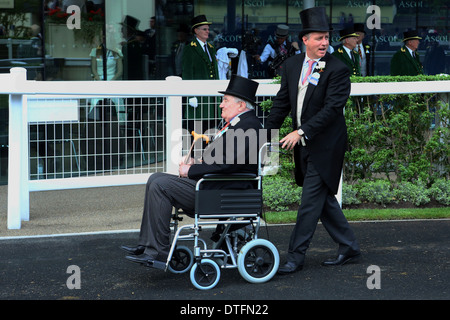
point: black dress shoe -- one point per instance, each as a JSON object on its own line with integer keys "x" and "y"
{"x": 342, "y": 259}
{"x": 134, "y": 250}
{"x": 142, "y": 259}
{"x": 289, "y": 267}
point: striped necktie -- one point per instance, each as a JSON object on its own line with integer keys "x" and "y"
{"x": 308, "y": 72}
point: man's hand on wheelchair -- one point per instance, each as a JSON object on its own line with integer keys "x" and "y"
{"x": 290, "y": 140}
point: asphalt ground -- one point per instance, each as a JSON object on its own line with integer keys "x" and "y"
{"x": 401, "y": 260}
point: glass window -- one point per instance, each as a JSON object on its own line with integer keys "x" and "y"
{"x": 107, "y": 40}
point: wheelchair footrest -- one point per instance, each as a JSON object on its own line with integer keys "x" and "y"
{"x": 159, "y": 265}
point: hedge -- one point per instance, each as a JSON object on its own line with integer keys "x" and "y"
{"x": 398, "y": 150}
{"x": 396, "y": 137}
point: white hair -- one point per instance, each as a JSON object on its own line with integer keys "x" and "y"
{"x": 248, "y": 105}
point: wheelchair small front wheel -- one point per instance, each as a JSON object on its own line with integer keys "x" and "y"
{"x": 182, "y": 260}
{"x": 258, "y": 261}
{"x": 205, "y": 275}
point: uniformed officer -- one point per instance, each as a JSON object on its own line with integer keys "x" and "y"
{"x": 199, "y": 63}
{"x": 199, "y": 56}
{"x": 345, "y": 51}
{"x": 363, "y": 49}
{"x": 406, "y": 61}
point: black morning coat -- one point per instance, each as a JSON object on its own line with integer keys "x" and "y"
{"x": 244, "y": 158}
{"x": 322, "y": 117}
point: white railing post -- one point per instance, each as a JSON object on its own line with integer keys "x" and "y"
{"x": 174, "y": 128}
{"x": 18, "y": 190}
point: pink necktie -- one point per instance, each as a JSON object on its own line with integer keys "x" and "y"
{"x": 308, "y": 72}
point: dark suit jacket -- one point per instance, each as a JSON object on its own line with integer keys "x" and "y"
{"x": 244, "y": 159}
{"x": 196, "y": 64}
{"x": 403, "y": 64}
{"x": 353, "y": 65}
{"x": 322, "y": 116}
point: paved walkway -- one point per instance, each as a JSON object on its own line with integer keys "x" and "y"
{"x": 78, "y": 210}
{"x": 413, "y": 257}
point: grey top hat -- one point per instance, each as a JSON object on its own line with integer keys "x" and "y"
{"x": 314, "y": 20}
{"x": 282, "y": 31}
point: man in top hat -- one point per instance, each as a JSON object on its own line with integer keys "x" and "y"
{"x": 363, "y": 49}
{"x": 132, "y": 50}
{"x": 434, "y": 61}
{"x": 315, "y": 86}
{"x": 165, "y": 191}
{"x": 406, "y": 61}
{"x": 281, "y": 47}
{"x": 346, "y": 51}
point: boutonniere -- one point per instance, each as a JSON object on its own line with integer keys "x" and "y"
{"x": 193, "y": 44}
{"x": 320, "y": 66}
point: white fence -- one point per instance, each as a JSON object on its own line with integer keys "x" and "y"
{"x": 49, "y": 135}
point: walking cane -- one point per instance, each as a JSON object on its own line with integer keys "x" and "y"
{"x": 196, "y": 137}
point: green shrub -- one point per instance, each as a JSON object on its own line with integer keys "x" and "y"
{"x": 349, "y": 195}
{"x": 416, "y": 193}
{"x": 279, "y": 193}
{"x": 440, "y": 191}
{"x": 378, "y": 191}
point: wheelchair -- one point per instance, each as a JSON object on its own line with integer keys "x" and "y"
{"x": 236, "y": 214}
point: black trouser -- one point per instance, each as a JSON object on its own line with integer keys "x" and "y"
{"x": 163, "y": 192}
{"x": 318, "y": 203}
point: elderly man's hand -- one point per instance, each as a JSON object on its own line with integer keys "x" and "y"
{"x": 183, "y": 170}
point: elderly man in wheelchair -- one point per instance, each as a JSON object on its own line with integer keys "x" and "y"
{"x": 222, "y": 189}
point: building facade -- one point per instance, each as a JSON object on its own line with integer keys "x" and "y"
{"x": 107, "y": 40}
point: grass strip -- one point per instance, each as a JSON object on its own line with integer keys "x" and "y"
{"x": 368, "y": 214}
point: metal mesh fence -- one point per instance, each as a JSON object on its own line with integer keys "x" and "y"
{"x": 117, "y": 136}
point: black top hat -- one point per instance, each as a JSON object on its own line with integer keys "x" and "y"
{"x": 198, "y": 21}
{"x": 242, "y": 88}
{"x": 410, "y": 35}
{"x": 314, "y": 20}
{"x": 347, "y": 33}
{"x": 359, "y": 27}
{"x": 131, "y": 22}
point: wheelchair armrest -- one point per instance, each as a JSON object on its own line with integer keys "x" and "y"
{"x": 230, "y": 176}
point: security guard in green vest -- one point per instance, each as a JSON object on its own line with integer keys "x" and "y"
{"x": 199, "y": 63}
{"x": 345, "y": 52}
{"x": 406, "y": 61}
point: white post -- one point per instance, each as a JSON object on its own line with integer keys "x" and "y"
{"x": 174, "y": 129}
{"x": 339, "y": 193}
{"x": 18, "y": 192}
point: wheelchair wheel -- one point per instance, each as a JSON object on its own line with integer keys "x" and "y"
{"x": 205, "y": 275}
{"x": 258, "y": 261}
{"x": 182, "y": 260}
